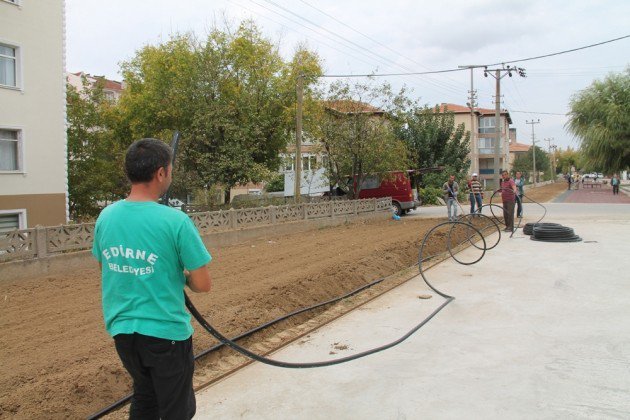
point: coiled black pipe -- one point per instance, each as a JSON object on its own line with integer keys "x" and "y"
{"x": 554, "y": 234}
{"x": 528, "y": 229}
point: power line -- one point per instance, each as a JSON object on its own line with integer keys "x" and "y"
{"x": 384, "y": 60}
{"x": 296, "y": 30}
{"x": 368, "y": 37}
{"x": 539, "y": 112}
{"x": 480, "y": 66}
{"x": 561, "y": 52}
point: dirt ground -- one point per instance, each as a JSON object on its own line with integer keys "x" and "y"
{"x": 56, "y": 360}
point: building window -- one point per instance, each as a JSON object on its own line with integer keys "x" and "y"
{"x": 8, "y": 65}
{"x": 10, "y": 150}
{"x": 486, "y": 146}
{"x": 486, "y": 125}
{"x": 309, "y": 163}
{"x": 11, "y": 220}
{"x": 288, "y": 163}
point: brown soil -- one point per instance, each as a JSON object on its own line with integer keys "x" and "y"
{"x": 56, "y": 360}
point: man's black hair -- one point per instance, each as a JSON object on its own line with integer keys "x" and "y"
{"x": 144, "y": 157}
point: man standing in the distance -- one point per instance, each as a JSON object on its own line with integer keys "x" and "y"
{"x": 476, "y": 194}
{"x": 450, "y": 189}
{"x": 520, "y": 185}
{"x": 508, "y": 196}
{"x": 144, "y": 250}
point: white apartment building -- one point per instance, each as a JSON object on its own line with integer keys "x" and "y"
{"x": 33, "y": 145}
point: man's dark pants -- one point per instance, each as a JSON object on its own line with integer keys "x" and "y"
{"x": 519, "y": 205}
{"x": 508, "y": 214}
{"x": 162, "y": 372}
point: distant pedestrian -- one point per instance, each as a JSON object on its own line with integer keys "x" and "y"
{"x": 520, "y": 184}
{"x": 450, "y": 189}
{"x": 508, "y": 196}
{"x": 475, "y": 196}
{"x": 568, "y": 178}
{"x": 615, "y": 184}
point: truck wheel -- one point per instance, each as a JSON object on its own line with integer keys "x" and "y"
{"x": 397, "y": 209}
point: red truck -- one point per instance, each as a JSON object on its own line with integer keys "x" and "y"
{"x": 397, "y": 185}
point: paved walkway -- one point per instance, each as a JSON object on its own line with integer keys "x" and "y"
{"x": 538, "y": 330}
{"x": 593, "y": 195}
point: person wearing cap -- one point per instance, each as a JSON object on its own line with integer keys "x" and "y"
{"x": 475, "y": 194}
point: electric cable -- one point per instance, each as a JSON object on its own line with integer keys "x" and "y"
{"x": 480, "y": 66}
{"x": 224, "y": 341}
{"x": 454, "y": 83}
{"x": 232, "y": 342}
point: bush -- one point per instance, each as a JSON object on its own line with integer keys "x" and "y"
{"x": 430, "y": 195}
{"x": 276, "y": 184}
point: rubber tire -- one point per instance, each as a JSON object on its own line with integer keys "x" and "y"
{"x": 398, "y": 211}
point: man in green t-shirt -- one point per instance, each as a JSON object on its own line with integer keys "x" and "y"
{"x": 148, "y": 253}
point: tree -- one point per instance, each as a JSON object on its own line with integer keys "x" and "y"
{"x": 525, "y": 164}
{"x": 358, "y": 137}
{"x": 231, "y": 96}
{"x": 95, "y": 174}
{"x": 433, "y": 139}
{"x": 600, "y": 119}
{"x": 567, "y": 159}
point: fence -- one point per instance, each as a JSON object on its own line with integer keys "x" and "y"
{"x": 41, "y": 242}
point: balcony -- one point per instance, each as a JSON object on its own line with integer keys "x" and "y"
{"x": 488, "y": 150}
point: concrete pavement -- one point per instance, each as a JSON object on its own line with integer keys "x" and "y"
{"x": 537, "y": 330}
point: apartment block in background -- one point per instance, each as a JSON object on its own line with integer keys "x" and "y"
{"x": 33, "y": 164}
{"x": 481, "y": 124}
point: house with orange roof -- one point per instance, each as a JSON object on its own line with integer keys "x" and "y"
{"x": 112, "y": 89}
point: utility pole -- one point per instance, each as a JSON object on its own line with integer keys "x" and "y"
{"x": 472, "y": 104}
{"x": 298, "y": 135}
{"x": 532, "y": 122}
{"x": 497, "y": 114}
{"x": 551, "y": 157}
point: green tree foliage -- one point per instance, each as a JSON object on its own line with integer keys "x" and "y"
{"x": 357, "y": 136}
{"x": 566, "y": 159}
{"x": 231, "y": 96}
{"x": 276, "y": 184}
{"x": 600, "y": 119}
{"x": 95, "y": 171}
{"x": 525, "y": 164}
{"x": 433, "y": 139}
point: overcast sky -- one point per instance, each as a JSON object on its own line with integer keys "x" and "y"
{"x": 391, "y": 37}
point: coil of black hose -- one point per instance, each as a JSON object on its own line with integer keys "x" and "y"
{"x": 528, "y": 229}
{"x": 554, "y": 234}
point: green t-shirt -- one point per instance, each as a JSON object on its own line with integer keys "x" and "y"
{"x": 144, "y": 248}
